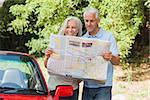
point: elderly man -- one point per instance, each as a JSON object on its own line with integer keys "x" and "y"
{"x": 93, "y": 90}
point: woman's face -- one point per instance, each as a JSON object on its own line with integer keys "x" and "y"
{"x": 72, "y": 28}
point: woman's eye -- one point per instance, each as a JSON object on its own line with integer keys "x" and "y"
{"x": 74, "y": 27}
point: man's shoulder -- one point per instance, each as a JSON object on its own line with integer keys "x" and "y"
{"x": 106, "y": 32}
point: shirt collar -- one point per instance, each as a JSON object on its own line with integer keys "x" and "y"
{"x": 99, "y": 34}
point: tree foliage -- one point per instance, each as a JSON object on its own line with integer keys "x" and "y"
{"x": 7, "y": 38}
{"x": 43, "y": 17}
{"x": 147, "y": 3}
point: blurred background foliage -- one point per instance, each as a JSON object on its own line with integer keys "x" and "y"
{"x": 25, "y": 25}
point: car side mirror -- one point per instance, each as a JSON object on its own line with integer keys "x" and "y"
{"x": 63, "y": 91}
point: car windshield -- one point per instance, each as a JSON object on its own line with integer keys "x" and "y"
{"x": 20, "y": 74}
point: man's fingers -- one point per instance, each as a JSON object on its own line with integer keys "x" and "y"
{"x": 107, "y": 56}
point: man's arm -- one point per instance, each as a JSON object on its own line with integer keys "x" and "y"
{"x": 115, "y": 60}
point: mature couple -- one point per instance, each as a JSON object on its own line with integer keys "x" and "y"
{"x": 93, "y": 90}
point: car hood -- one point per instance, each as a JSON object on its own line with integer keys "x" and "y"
{"x": 23, "y": 97}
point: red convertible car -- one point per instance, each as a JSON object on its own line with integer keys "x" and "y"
{"x": 21, "y": 79}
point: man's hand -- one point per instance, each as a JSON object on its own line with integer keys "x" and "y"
{"x": 109, "y": 57}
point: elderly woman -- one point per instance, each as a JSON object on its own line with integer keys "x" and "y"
{"x": 72, "y": 26}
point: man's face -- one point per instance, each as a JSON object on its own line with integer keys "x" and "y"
{"x": 91, "y": 22}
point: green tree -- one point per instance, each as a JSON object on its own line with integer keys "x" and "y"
{"x": 7, "y": 38}
{"x": 42, "y": 17}
{"x": 147, "y": 3}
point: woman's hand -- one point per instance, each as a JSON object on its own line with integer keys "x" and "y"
{"x": 48, "y": 53}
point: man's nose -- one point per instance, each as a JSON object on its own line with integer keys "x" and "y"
{"x": 88, "y": 23}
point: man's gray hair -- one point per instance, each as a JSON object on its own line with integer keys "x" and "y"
{"x": 91, "y": 10}
{"x": 64, "y": 25}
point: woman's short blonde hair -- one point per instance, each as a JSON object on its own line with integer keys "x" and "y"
{"x": 64, "y": 25}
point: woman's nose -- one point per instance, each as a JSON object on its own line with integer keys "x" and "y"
{"x": 70, "y": 29}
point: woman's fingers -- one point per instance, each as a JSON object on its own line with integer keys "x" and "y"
{"x": 48, "y": 53}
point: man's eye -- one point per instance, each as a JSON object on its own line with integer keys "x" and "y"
{"x": 91, "y": 21}
{"x": 74, "y": 27}
{"x": 85, "y": 20}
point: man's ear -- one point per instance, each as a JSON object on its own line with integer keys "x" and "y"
{"x": 98, "y": 20}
